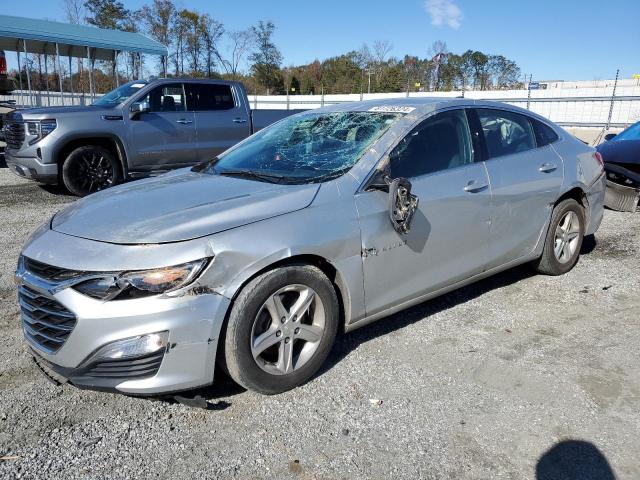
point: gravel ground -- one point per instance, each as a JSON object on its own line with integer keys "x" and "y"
{"x": 516, "y": 377}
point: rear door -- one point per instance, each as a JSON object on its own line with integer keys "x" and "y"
{"x": 221, "y": 119}
{"x": 449, "y": 234}
{"x": 526, "y": 176}
{"x": 165, "y": 136}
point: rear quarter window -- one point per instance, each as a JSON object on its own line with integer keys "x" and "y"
{"x": 506, "y": 132}
{"x": 202, "y": 97}
{"x": 544, "y": 133}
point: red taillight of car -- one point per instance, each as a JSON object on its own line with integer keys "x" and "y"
{"x": 3, "y": 66}
{"x": 600, "y": 160}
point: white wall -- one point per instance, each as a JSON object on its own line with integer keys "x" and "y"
{"x": 561, "y": 110}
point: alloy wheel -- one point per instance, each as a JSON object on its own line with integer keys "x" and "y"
{"x": 567, "y": 237}
{"x": 93, "y": 172}
{"x": 288, "y": 329}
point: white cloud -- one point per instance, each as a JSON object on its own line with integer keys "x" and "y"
{"x": 444, "y": 12}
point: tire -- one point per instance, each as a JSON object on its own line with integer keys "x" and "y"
{"x": 253, "y": 325}
{"x": 89, "y": 169}
{"x": 567, "y": 237}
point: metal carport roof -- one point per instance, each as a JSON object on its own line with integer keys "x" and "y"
{"x": 42, "y": 35}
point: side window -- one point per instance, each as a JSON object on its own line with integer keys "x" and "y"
{"x": 166, "y": 98}
{"x": 505, "y": 132}
{"x": 439, "y": 143}
{"x": 544, "y": 133}
{"x": 203, "y": 97}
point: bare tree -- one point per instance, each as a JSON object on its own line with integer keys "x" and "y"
{"x": 211, "y": 31}
{"x": 74, "y": 11}
{"x": 241, "y": 42}
{"x": 158, "y": 18}
{"x": 381, "y": 50}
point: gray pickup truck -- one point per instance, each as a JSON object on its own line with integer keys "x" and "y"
{"x": 140, "y": 128}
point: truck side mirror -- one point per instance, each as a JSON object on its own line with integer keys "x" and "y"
{"x": 138, "y": 108}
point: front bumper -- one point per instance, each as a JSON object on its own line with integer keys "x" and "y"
{"x": 192, "y": 320}
{"x": 32, "y": 168}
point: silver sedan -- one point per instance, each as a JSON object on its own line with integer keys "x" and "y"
{"x": 327, "y": 220}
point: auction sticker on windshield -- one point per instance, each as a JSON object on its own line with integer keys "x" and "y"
{"x": 392, "y": 109}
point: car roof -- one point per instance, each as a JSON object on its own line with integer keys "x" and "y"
{"x": 421, "y": 106}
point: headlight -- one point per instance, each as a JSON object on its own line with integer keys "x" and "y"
{"x": 141, "y": 283}
{"x": 33, "y": 129}
{"x": 40, "y": 129}
{"x": 132, "y": 347}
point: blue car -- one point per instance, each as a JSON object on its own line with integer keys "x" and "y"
{"x": 621, "y": 156}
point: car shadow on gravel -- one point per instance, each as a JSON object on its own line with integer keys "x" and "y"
{"x": 345, "y": 343}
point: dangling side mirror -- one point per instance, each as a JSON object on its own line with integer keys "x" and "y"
{"x": 402, "y": 204}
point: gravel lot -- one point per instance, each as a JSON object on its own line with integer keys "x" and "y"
{"x": 496, "y": 380}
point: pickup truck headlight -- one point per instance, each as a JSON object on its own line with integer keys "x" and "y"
{"x": 40, "y": 129}
{"x": 142, "y": 283}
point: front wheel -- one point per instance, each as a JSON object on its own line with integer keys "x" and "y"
{"x": 89, "y": 169}
{"x": 281, "y": 329}
{"x": 564, "y": 239}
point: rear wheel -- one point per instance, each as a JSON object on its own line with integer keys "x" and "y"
{"x": 564, "y": 239}
{"x": 281, "y": 329}
{"x": 89, "y": 169}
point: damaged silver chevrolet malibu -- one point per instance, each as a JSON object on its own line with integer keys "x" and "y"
{"x": 326, "y": 220}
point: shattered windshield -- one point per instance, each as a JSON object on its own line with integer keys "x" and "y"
{"x": 119, "y": 95}
{"x": 305, "y": 149}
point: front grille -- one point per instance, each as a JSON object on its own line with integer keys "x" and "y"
{"x": 133, "y": 368}
{"x": 14, "y": 134}
{"x": 49, "y": 272}
{"x": 46, "y": 323}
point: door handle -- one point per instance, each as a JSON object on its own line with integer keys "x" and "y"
{"x": 184, "y": 121}
{"x": 547, "y": 167}
{"x": 475, "y": 186}
{"x": 239, "y": 120}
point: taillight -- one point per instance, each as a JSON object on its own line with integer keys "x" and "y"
{"x": 598, "y": 157}
{"x": 3, "y": 65}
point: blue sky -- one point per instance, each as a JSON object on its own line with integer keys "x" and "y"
{"x": 551, "y": 39}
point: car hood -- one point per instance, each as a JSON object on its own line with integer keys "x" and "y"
{"x": 620, "y": 151}
{"x": 58, "y": 112}
{"x": 179, "y": 206}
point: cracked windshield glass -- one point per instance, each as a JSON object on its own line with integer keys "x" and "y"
{"x": 306, "y": 149}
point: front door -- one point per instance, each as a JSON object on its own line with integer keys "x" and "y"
{"x": 166, "y": 135}
{"x": 449, "y": 234}
{"x": 525, "y": 180}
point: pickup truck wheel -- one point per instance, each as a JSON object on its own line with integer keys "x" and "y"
{"x": 281, "y": 329}
{"x": 89, "y": 169}
{"x": 564, "y": 239}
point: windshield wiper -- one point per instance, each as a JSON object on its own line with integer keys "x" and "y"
{"x": 266, "y": 177}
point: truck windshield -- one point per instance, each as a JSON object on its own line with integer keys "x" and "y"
{"x": 120, "y": 94}
{"x": 310, "y": 148}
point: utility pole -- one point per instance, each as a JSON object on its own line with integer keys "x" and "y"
{"x": 613, "y": 95}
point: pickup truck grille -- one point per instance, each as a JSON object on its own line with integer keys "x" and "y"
{"x": 46, "y": 323}
{"x": 14, "y": 134}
